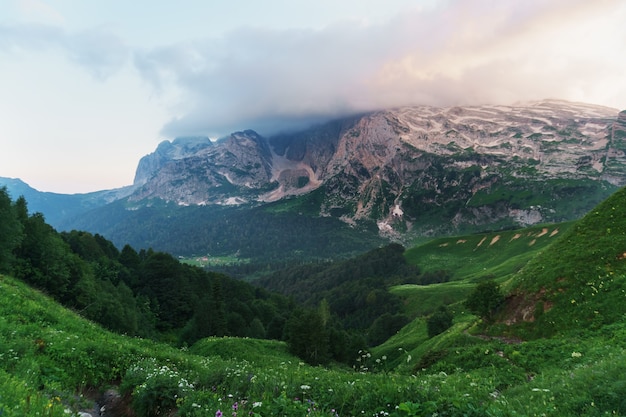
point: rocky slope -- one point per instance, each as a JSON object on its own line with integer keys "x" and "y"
{"x": 404, "y": 167}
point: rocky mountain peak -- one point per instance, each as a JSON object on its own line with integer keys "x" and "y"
{"x": 393, "y": 166}
{"x": 179, "y": 148}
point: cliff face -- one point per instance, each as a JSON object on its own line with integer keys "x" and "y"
{"x": 400, "y": 167}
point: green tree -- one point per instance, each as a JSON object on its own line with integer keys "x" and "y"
{"x": 10, "y": 230}
{"x": 256, "y": 329}
{"x": 45, "y": 260}
{"x": 219, "y": 323}
{"x": 307, "y": 337}
{"x": 439, "y": 321}
{"x": 485, "y": 299}
{"x": 384, "y": 327}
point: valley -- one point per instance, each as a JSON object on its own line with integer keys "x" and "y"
{"x": 57, "y": 362}
{"x": 400, "y": 175}
{"x": 412, "y": 262}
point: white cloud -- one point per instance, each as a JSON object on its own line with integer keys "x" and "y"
{"x": 462, "y": 53}
{"x": 39, "y": 11}
{"x": 120, "y": 71}
{"x": 98, "y": 51}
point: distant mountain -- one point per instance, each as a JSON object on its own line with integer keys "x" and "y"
{"x": 59, "y": 208}
{"x": 399, "y": 174}
{"x": 411, "y": 168}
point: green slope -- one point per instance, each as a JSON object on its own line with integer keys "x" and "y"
{"x": 577, "y": 283}
{"x": 573, "y": 286}
{"x": 52, "y": 359}
{"x": 558, "y": 343}
{"x": 494, "y": 254}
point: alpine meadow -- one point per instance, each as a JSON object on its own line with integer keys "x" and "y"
{"x": 354, "y": 208}
{"x": 552, "y": 344}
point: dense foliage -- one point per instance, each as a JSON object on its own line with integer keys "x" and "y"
{"x": 152, "y": 294}
{"x": 145, "y": 293}
{"x": 355, "y": 290}
{"x": 261, "y": 234}
{"x": 485, "y": 299}
{"x": 50, "y": 357}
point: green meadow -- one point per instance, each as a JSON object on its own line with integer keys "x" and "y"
{"x": 555, "y": 345}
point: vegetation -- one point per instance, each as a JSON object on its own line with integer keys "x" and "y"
{"x": 262, "y": 235}
{"x": 485, "y": 299}
{"x": 143, "y": 293}
{"x": 539, "y": 354}
{"x": 479, "y": 256}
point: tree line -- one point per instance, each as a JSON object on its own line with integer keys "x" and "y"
{"x": 324, "y": 311}
{"x": 141, "y": 293}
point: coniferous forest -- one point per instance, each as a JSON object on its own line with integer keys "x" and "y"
{"x": 151, "y": 294}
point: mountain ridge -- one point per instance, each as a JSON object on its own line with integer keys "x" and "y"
{"x": 409, "y": 172}
{"x": 371, "y": 166}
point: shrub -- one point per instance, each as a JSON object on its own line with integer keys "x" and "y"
{"x": 439, "y": 321}
{"x": 154, "y": 388}
{"x": 485, "y": 299}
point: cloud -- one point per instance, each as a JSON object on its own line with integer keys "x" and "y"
{"x": 97, "y": 51}
{"x": 39, "y": 11}
{"x": 464, "y": 52}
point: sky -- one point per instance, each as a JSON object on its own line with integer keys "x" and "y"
{"x": 88, "y": 87}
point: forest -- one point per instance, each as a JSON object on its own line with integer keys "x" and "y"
{"x": 151, "y": 294}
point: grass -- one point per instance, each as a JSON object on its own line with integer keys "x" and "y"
{"x": 568, "y": 360}
{"x": 52, "y": 357}
{"x": 422, "y": 300}
{"x": 494, "y": 254}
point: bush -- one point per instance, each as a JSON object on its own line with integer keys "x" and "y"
{"x": 439, "y": 321}
{"x": 154, "y": 388}
{"x": 485, "y": 299}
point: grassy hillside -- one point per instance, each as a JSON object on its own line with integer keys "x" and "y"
{"x": 494, "y": 254}
{"x": 557, "y": 342}
{"x": 579, "y": 282}
{"x": 557, "y": 346}
{"x": 54, "y": 361}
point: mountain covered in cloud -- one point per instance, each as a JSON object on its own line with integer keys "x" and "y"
{"x": 348, "y": 185}
{"x": 473, "y": 165}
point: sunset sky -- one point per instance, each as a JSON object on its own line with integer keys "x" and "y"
{"x": 87, "y": 87}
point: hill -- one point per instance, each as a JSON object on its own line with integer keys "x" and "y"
{"x": 58, "y": 208}
{"x": 561, "y": 327}
{"x": 483, "y": 255}
{"x": 579, "y": 282}
{"x": 54, "y": 362}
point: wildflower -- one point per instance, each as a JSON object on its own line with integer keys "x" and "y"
{"x": 257, "y": 404}
{"x": 576, "y": 354}
{"x": 305, "y": 387}
{"x": 235, "y": 406}
{"x": 218, "y": 413}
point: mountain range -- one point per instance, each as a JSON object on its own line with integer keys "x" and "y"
{"x": 396, "y": 174}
